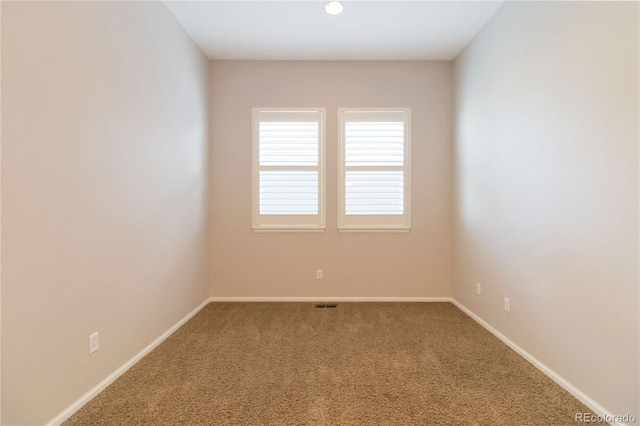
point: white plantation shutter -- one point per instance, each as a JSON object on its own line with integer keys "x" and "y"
{"x": 374, "y": 169}
{"x": 288, "y": 193}
{"x": 288, "y": 169}
{"x": 374, "y": 193}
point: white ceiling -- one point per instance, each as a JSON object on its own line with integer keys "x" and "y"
{"x": 301, "y": 30}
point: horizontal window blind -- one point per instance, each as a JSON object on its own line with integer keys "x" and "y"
{"x": 289, "y": 143}
{"x": 374, "y": 147}
{"x": 288, "y": 192}
{"x": 374, "y": 193}
{"x": 288, "y": 147}
{"x": 374, "y": 143}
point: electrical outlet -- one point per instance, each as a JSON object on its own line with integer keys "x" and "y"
{"x": 478, "y": 289}
{"x": 319, "y": 274}
{"x": 507, "y": 304}
{"x": 94, "y": 343}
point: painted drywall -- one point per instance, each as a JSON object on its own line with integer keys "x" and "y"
{"x": 547, "y": 188}
{"x": 104, "y": 147}
{"x": 0, "y": 217}
{"x": 248, "y": 264}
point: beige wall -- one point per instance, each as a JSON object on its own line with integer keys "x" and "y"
{"x": 245, "y": 264}
{"x": 104, "y": 135}
{"x": 547, "y": 188}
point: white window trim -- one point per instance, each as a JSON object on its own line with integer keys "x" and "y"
{"x": 287, "y": 224}
{"x": 372, "y": 227}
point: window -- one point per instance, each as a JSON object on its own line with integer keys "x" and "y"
{"x": 288, "y": 169}
{"x": 375, "y": 178}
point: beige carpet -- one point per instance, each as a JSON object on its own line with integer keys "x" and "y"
{"x": 357, "y": 364}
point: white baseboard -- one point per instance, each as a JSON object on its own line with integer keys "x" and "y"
{"x": 70, "y": 410}
{"x": 330, "y": 299}
{"x": 577, "y": 393}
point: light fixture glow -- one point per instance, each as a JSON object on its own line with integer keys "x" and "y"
{"x": 333, "y": 7}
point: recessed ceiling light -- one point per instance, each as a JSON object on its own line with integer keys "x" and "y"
{"x": 333, "y": 7}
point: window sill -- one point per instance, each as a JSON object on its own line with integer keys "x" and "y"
{"x": 284, "y": 230}
{"x": 374, "y": 230}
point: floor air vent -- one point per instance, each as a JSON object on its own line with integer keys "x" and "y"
{"x": 326, "y": 305}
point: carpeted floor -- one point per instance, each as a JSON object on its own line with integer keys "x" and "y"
{"x": 356, "y": 364}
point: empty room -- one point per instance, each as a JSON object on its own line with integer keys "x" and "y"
{"x": 320, "y": 213}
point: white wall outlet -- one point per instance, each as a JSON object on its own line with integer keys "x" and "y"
{"x": 94, "y": 343}
{"x": 478, "y": 289}
{"x": 319, "y": 274}
{"x": 507, "y": 304}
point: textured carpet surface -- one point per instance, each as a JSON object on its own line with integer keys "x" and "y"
{"x": 357, "y": 364}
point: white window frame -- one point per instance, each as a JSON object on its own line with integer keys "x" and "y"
{"x": 288, "y": 223}
{"x": 374, "y": 223}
